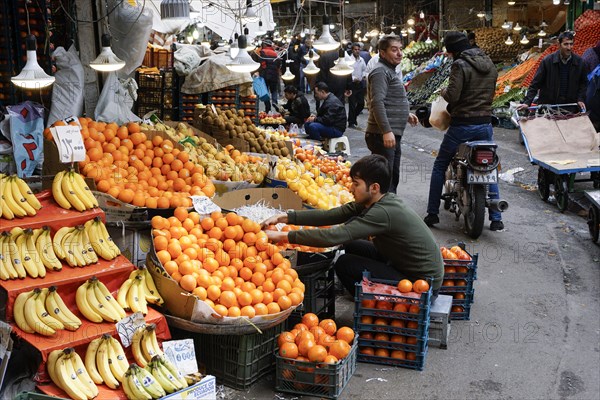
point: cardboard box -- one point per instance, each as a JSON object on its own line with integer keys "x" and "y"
{"x": 133, "y": 239}
{"x": 275, "y": 197}
{"x": 206, "y": 389}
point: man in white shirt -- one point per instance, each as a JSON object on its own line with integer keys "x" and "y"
{"x": 356, "y": 101}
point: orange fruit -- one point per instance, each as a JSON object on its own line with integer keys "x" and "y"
{"x": 328, "y": 326}
{"x": 420, "y": 286}
{"x": 368, "y": 351}
{"x": 284, "y": 302}
{"x": 310, "y": 320}
{"x": 273, "y": 308}
{"x": 346, "y": 334}
{"x": 317, "y": 353}
{"x": 382, "y": 352}
{"x": 285, "y": 337}
{"x": 248, "y": 311}
{"x": 188, "y": 282}
{"x": 405, "y": 286}
{"x": 339, "y": 349}
{"x": 288, "y": 350}
{"x": 305, "y": 345}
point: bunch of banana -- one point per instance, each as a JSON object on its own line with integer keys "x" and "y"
{"x": 106, "y": 362}
{"x": 19, "y": 255}
{"x": 45, "y": 249}
{"x": 57, "y": 308}
{"x": 72, "y": 244}
{"x": 144, "y": 344}
{"x": 11, "y": 266}
{"x": 16, "y": 198}
{"x": 139, "y": 290}
{"x": 30, "y": 314}
{"x": 96, "y": 303}
{"x": 100, "y": 240}
{"x": 139, "y": 384}
{"x": 67, "y": 371}
{"x": 70, "y": 191}
{"x": 169, "y": 377}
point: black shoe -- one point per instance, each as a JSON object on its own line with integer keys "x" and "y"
{"x": 431, "y": 219}
{"x": 352, "y": 126}
{"x": 496, "y": 226}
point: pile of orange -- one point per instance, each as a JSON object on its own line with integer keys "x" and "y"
{"x": 330, "y": 166}
{"x": 454, "y": 253}
{"x": 135, "y": 169}
{"x": 227, "y": 262}
{"x": 315, "y": 341}
{"x": 419, "y": 286}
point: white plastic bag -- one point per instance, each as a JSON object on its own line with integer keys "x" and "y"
{"x": 439, "y": 117}
{"x": 67, "y": 92}
{"x": 116, "y": 100}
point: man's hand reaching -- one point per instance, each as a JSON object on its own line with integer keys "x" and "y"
{"x": 276, "y": 219}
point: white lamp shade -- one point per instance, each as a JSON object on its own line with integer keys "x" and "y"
{"x": 508, "y": 41}
{"x": 107, "y": 60}
{"x": 326, "y": 42}
{"x": 315, "y": 56}
{"x": 32, "y": 76}
{"x": 524, "y": 39}
{"x": 242, "y": 61}
{"x": 288, "y": 76}
{"x": 249, "y": 14}
{"x": 341, "y": 68}
{"x": 174, "y": 9}
{"x": 311, "y": 68}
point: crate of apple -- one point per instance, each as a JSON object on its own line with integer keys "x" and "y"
{"x": 270, "y": 119}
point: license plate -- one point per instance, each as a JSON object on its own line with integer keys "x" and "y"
{"x": 475, "y": 177}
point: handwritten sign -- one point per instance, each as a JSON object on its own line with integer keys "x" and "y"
{"x": 204, "y": 205}
{"x": 128, "y": 325}
{"x": 69, "y": 142}
{"x": 183, "y": 354}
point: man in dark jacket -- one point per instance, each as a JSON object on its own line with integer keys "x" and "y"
{"x": 330, "y": 121}
{"x": 469, "y": 95}
{"x": 401, "y": 246}
{"x": 270, "y": 70}
{"x": 297, "y": 106}
{"x": 560, "y": 78}
{"x": 388, "y": 106}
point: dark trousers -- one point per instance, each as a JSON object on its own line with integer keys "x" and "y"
{"x": 273, "y": 87}
{"x": 356, "y": 102}
{"x": 375, "y": 145}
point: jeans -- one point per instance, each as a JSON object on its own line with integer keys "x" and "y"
{"x": 375, "y": 145}
{"x": 356, "y": 102}
{"x": 273, "y": 87}
{"x": 317, "y": 131}
{"x": 452, "y": 139}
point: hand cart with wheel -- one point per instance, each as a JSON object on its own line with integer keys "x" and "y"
{"x": 563, "y": 145}
{"x": 594, "y": 213}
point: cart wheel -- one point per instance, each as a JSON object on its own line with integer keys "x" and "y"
{"x": 596, "y": 179}
{"x": 561, "y": 191}
{"x": 543, "y": 184}
{"x": 594, "y": 222}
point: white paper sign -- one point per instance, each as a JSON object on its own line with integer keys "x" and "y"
{"x": 128, "y": 325}
{"x": 182, "y": 354}
{"x": 70, "y": 119}
{"x": 69, "y": 142}
{"x": 204, "y": 205}
{"x": 5, "y": 330}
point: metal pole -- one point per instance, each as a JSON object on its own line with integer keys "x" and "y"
{"x": 440, "y": 23}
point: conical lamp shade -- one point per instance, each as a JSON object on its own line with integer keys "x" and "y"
{"x": 32, "y": 76}
{"x": 341, "y": 68}
{"x": 107, "y": 60}
{"x": 288, "y": 76}
{"x": 174, "y": 9}
{"x": 315, "y": 56}
{"x": 311, "y": 68}
{"x": 242, "y": 61}
{"x": 348, "y": 58}
{"x": 326, "y": 42}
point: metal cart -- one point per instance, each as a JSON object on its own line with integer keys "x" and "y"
{"x": 563, "y": 145}
{"x": 594, "y": 213}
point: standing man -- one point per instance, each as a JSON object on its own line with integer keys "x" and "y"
{"x": 560, "y": 79}
{"x": 388, "y": 106}
{"x": 356, "y": 101}
{"x": 330, "y": 121}
{"x": 469, "y": 95}
{"x": 401, "y": 246}
{"x": 270, "y": 71}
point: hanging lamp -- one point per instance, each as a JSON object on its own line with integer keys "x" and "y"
{"x": 260, "y": 30}
{"x": 174, "y": 9}
{"x": 508, "y": 41}
{"x": 315, "y": 55}
{"x": 341, "y": 68}
{"x": 311, "y": 68}
{"x": 107, "y": 60}
{"x": 32, "y": 76}
{"x": 249, "y": 15}
{"x": 326, "y": 42}
{"x": 242, "y": 61}
{"x": 524, "y": 39}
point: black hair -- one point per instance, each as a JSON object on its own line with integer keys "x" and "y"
{"x": 322, "y": 86}
{"x": 471, "y": 35}
{"x": 290, "y": 89}
{"x": 356, "y": 44}
{"x": 386, "y": 42}
{"x": 373, "y": 168}
{"x": 566, "y": 35}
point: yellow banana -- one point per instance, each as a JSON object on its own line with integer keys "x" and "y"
{"x": 120, "y": 354}
{"x": 19, "y": 312}
{"x": 45, "y": 316}
{"x": 66, "y": 378}
{"x": 136, "y": 348}
{"x": 88, "y": 251}
{"x": 122, "y": 294}
{"x": 45, "y": 249}
{"x": 5, "y": 254}
{"x": 84, "y": 190}
{"x": 113, "y": 362}
{"x": 68, "y": 189}
{"x": 5, "y": 211}
{"x": 35, "y": 317}
{"x": 57, "y": 241}
{"x": 149, "y": 343}
{"x": 57, "y": 308}
{"x": 159, "y": 373}
{"x": 103, "y": 365}
{"x": 99, "y": 304}
{"x": 33, "y": 253}
{"x": 109, "y": 297}
{"x": 104, "y": 233}
{"x": 13, "y": 204}
{"x": 57, "y": 191}
{"x": 135, "y": 386}
{"x": 83, "y": 375}
{"x": 5, "y": 268}
{"x": 149, "y": 383}
{"x": 73, "y": 374}
{"x": 51, "y": 365}
{"x": 26, "y": 259}
{"x": 90, "y": 361}
{"x": 84, "y": 307}
{"x": 152, "y": 294}
{"x": 74, "y": 248}
{"x": 100, "y": 244}
{"x": 27, "y": 193}
{"x": 173, "y": 370}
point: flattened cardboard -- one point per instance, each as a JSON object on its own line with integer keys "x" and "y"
{"x": 275, "y": 197}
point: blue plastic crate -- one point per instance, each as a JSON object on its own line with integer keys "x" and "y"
{"x": 464, "y": 315}
{"x": 468, "y": 300}
{"x": 417, "y": 347}
{"x": 463, "y": 285}
{"x": 418, "y": 363}
{"x": 420, "y": 332}
{"x": 460, "y": 265}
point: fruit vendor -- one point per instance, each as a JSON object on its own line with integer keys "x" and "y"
{"x": 297, "y": 107}
{"x": 330, "y": 121}
{"x": 379, "y": 232}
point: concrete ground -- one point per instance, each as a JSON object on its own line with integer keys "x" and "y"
{"x": 534, "y": 331}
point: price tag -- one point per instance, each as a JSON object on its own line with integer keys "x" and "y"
{"x": 69, "y": 142}
{"x": 182, "y": 354}
{"x": 70, "y": 119}
{"x": 128, "y": 325}
{"x": 204, "y": 205}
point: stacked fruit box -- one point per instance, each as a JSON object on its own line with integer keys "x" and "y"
{"x": 155, "y": 93}
{"x": 250, "y": 107}
{"x": 225, "y": 98}
{"x": 459, "y": 277}
{"x": 392, "y": 329}
{"x": 187, "y": 105}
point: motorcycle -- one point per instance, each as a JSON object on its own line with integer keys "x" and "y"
{"x": 466, "y": 189}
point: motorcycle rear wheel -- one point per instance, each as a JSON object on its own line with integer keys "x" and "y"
{"x": 474, "y": 219}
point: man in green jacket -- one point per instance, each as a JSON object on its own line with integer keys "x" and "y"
{"x": 400, "y": 246}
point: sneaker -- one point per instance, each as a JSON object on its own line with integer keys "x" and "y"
{"x": 496, "y": 226}
{"x": 431, "y": 219}
{"x": 352, "y": 126}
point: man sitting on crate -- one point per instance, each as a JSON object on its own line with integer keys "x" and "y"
{"x": 379, "y": 232}
{"x": 297, "y": 107}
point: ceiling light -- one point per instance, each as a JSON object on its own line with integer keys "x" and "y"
{"x": 566, "y": 2}
{"x": 511, "y": 3}
{"x": 411, "y": 30}
{"x": 348, "y": 58}
{"x": 517, "y": 27}
{"x": 410, "y": 21}
{"x": 195, "y": 34}
{"x": 524, "y": 39}
{"x": 250, "y": 14}
{"x": 508, "y": 40}
{"x": 174, "y": 9}
{"x": 189, "y": 39}
{"x": 326, "y": 42}
{"x": 358, "y": 31}
{"x": 428, "y": 40}
{"x": 505, "y": 25}
{"x": 542, "y": 33}
{"x": 393, "y": 27}
{"x": 260, "y": 30}
{"x": 480, "y": 14}
{"x": 556, "y": 2}
{"x": 107, "y": 60}
{"x": 341, "y": 68}
{"x": 242, "y": 61}
{"x": 32, "y": 76}
{"x": 543, "y": 24}
{"x": 288, "y": 76}
{"x": 315, "y": 55}
{"x": 421, "y": 14}
{"x": 311, "y": 68}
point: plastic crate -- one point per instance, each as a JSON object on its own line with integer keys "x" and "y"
{"x": 315, "y": 379}
{"x": 399, "y": 330}
{"x": 237, "y": 361}
{"x": 34, "y": 396}
{"x": 464, "y": 268}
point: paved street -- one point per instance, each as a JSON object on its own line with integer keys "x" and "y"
{"x": 534, "y": 329}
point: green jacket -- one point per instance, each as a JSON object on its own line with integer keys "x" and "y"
{"x": 398, "y": 233}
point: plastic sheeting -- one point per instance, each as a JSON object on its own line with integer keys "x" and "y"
{"x": 67, "y": 92}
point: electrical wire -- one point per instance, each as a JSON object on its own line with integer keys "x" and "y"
{"x": 60, "y": 2}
